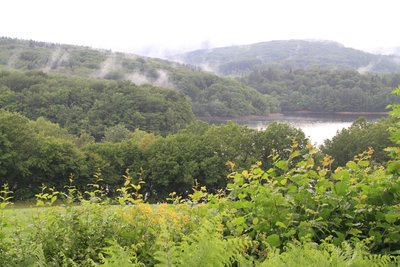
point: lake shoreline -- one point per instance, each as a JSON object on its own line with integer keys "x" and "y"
{"x": 272, "y": 116}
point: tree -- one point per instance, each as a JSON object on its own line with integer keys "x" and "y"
{"x": 114, "y": 159}
{"x": 18, "y": 144}
{"x": 116, "y": 133}
{"x": 36, "y": 152}
{"x": 201, "y": 153}
{"x": 358, "y": 138}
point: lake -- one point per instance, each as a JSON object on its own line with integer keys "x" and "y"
{"x": 317, "y": 127}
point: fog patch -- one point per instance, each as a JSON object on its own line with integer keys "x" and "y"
{"x": 163, "y": 79}
{"x": 130, "y": 56}
{"x": 137, "y": 78}
{"x": 13, "y": 59}
{"x": 57, "y": 57}
{"x": 210, "y": 68}
{"x": 107, "y": 66}
{"x": 396, "y": 59}
{"x": 367, "y": 68}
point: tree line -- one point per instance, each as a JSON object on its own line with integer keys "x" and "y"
{"x": 39, "y": 151}
{"x": 322, "y": 90}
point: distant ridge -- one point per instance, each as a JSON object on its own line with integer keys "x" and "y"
{"x": 289, "y": 54}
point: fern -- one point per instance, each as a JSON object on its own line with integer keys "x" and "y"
{"x": 119, "y": 256}
{"x": 382, "y": 260}
{"x": 40, "y": 257}
{"x": 204, "y": 247}
{"x": 68, "y": 262}
{"x": 167, "y": 253}
{"x": 311, "y": 254}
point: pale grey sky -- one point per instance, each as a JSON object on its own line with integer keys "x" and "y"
{"x": 158, "y": 26}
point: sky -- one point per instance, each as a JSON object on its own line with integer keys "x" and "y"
{"x": 161, "y": 27}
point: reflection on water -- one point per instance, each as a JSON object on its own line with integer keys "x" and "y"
{"x": 317, "y": 127}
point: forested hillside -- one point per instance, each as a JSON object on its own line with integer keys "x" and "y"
{"x": 322, "y": 90}
{"x": 269, "y": 77}
{"x": 307, "y": 75}
{"x": 290, "y": 54}
{"x": 210, "y": 95}
{"x": 84, "y": 105}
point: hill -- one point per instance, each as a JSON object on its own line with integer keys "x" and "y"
{"x": 93, "y": 106}
{"x": 325, "y": 90}
{"x": 269, "y": 77}
{"x": 289, "y": 54}
{"x": 209, "y": 93}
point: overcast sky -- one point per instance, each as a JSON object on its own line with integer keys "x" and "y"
{"x": 156, "y": 26}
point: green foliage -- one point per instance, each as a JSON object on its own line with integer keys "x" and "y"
{"x": 215, "y": 96}
{"x": 321, "y": 90}
{"x": 395, "y": 114}
{"x": 201, "y": 152}
{"x": 92, "y": 106}
{"x": 204, "y": 247}
{"x": 40, "y": 152}
{"x": 45, "y": 128}
{"x": 119, "y": 256}
{"x": 116, "y": 133}
{"x": 129, "y": 193}
{"x": 339, "y": 214}
{"x": 96, "y": 191}
{"x": 113, "y": 159}
{"x": 47, "y": 197}
{"x": 394, "y": 165}
{"x": 17, "y": 144}
{"x": 5, "y": 196}
{"x": 295, "y": 199}
{"x": 326, "y": 254}
{"x": 37, "y": 152}
{"x": 358, "y": 138}
{"x": 72, "y": 195}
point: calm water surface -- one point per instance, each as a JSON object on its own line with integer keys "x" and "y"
{"x": 316, "y": 126}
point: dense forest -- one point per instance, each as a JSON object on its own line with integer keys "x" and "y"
{"x": 322, "y": 90}
{"x": 39, "y": 151}
{"x": 307, "y": 75}
{"x": 323, "y": 82}
{"x": 210, "y": 94}
{"x": 289, "y": 54}
{"x": 83, "y": 105}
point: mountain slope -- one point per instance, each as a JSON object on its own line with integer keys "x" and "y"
{"x": 92, "y": 105}
{"x": 324, "y": 90}
{"x": 210, "y": 94}
{"x": 289, "y": 54}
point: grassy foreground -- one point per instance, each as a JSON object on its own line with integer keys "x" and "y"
{"x": 95, "y": 234}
